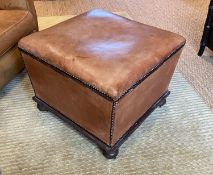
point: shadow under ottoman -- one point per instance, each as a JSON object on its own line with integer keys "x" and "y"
{"x": 102, "y": 73}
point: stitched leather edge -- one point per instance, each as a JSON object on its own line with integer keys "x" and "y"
{"x": 97, "y": 90}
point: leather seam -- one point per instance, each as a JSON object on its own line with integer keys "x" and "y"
{"x": 11, "y": 47}
{"x": 8, "y": 49}
{"x": 22, "y": 19}
{"x": 89, "y": 132}
{"x": 97, "y": 90}
{"x": 152, "y": 70}
{"x": 114, "y": 104}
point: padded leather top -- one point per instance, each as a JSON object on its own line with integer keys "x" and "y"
{"x": 105, "y": 50}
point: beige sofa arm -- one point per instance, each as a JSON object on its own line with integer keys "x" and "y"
{"x": 19, "y": 4}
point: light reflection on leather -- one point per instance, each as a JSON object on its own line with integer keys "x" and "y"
{"x": 112, "y": 48}
{"x": 101, "y": 13}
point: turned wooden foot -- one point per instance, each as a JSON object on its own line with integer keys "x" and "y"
{"x": 41, "y": 107}
{"x": 111, "y": 154}
{"x": 162, "y": 102}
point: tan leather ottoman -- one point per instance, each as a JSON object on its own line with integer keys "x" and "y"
{"x": 101, "y": 72}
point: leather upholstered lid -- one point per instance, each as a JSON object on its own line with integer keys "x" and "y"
{"x": 107, "y": 51}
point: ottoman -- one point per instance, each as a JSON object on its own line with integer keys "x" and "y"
{"x": 102, "y": 73}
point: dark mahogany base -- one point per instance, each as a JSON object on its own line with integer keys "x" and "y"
{"x": 41, "y": 107}
{"x": 110, "y": 152}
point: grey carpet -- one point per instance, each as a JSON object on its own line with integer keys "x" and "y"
{"x": 175, "y": 139}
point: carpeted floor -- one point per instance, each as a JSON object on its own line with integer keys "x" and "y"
{"x": 175, "y": 139}
{"x": 186, "y": 17}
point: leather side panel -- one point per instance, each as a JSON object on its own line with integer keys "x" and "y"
{"x": 131, "y": 107}
{"x": 80, "y": 104}
{"x": 11, "y": 64}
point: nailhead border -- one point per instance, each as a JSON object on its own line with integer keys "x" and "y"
{"x": 98, "y": 91}
{"x": 93, "y": 88}
{"x": 114, "y": 104}
{"x": 149, "y": 73}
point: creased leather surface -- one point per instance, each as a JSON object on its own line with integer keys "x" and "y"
{"x": 20, "y": 5}
{"x": 105, "y": 50}
{"x": 14, "y": 24}
{"x": 135, "y": 104}
{"x": 80, "y": 104}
